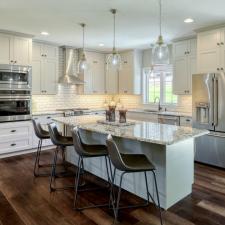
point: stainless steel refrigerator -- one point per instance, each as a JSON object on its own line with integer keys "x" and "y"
{"x": 208, "y": 111}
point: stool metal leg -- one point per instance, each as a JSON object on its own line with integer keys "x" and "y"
{"x": 52, "y": 178}
{"x": 36, "y": 159}
{"x": 157, "y": 194}
{"x": 77, "y": 181}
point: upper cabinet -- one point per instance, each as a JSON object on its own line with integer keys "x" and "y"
{"x": 94, "y": 76}
{"x": 211, "y": 51}
{"x": 15, "y": 50}
{"x": 130, "y": 73}
{"x": 184, "y": 62}
{"x": 111, "y": 79}
{"x": 44, "y": 69}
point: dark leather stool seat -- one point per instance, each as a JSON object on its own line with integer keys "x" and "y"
{"x": 137, "y": 162}
{"x": 130, "y": 163}
{"x": 41, "y": 134}
{"x": 61, "y": 142}
{"x": 87, "y": 151}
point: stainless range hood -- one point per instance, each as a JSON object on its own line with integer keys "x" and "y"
{"x": 70, "y": 75}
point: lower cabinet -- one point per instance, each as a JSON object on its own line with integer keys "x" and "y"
{"x": 185, "y": 121}
{"x": 15, "y": 136}
{"x": 150, "y": 117}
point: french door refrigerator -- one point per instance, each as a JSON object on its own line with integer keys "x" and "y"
{"x": 208, "y": 111}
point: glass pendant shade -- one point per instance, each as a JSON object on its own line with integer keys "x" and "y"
{"x": 82, "y": 63}
{"x": 160, "y": 53}
{"x": 114, "y": 59}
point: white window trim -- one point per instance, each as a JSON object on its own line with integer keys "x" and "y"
{"x": 145, "y": 99}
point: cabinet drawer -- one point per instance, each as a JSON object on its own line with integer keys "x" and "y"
{"x": 6, "y": 131}
{"x": 186, "y": 121}
{"x": 16, "y": 145}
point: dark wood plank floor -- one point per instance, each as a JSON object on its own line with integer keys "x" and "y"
{"x": 26, "y": 200}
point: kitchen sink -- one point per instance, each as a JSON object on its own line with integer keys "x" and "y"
{"x": 151, "y": 110}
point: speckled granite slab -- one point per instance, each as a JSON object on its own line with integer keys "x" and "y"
{"x": 157, "y": 133}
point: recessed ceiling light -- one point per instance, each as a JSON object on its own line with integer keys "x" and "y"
{"x": 44, "y": 33}
{"x": 189, "y": 20}
{"x": 101, "y": 44}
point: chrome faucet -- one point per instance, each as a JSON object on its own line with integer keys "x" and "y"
{"x": 159, "y": 106}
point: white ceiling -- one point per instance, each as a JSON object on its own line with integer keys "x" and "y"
{"x": 137, "y": 20}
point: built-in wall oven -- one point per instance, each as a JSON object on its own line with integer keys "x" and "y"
{"x": 15, "y": 93}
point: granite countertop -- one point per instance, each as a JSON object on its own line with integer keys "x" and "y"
{"x": 40, "y": 113}
{"x": 166, "y": 113}
{"x": 157, "y": 133}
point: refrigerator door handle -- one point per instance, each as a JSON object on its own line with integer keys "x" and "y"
{"x": 212, "y": 94}
{"x": 215, "y": 100}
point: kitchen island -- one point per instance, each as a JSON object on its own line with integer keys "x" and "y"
{"x": 169, "y": 147}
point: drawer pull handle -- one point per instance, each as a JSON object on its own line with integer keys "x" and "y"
{"x": 13, "y": 144}
{"x": 12, "y": 131}
{"x": 187, "y": 120}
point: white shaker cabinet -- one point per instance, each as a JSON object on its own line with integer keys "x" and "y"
{"x": 184, "y": 62}
{"x": 111, "y": 79}
{"x": 45, "y": 69}
{"x": 130, "y": 73}
{"x": 94, "y": 76}
{"x": 15, "y": 50}
{"x": 210, "y": 52}
{"x": 15, "y": 136}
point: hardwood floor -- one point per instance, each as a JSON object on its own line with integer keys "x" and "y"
{"x": 26, "y": 200}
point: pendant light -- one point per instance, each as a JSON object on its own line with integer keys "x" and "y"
{"x": 82, "y": 63}
{"x": 114, "y": 59}
{"x": 160, "y": 52}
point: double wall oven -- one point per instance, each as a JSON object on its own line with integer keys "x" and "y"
{"x": 15, "y": 93}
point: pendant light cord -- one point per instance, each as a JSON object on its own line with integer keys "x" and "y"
{"x": 114, "y": 30}
{"x": 83, "y": 27}
{"x": 160, "y": 17}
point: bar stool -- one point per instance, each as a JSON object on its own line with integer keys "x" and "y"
{"x": 61, "y": 142}
{"x": 41, "y": 134}
{"x": 86, "y": 151}
{"x": 131, "y": 163}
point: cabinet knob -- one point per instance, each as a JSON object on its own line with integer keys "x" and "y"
{"x": 218, "y": 69}
{"x": 11, "y": 61}
{"x": 188, "y": 120}
{"x": 222, "y": 43}
{"x": 12, "y": 131}
{"x": 15, "y": 61}
{"x": 13, "y": 144}
{"x": 49, "y": 117}
{"x": 221, "y": 68}
{"x": 218, "y": 44}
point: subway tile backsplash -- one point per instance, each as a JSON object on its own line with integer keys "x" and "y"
{"x": 67, "y": 97}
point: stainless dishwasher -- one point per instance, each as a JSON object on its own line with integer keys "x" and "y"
{"x": 173, "y": 120}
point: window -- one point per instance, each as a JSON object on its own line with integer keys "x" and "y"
{"x": 158, "y": 83}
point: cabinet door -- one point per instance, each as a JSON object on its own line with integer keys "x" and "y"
{"x": 36, "y": 51}
{"x": 111, "y": 81}
{"x": 98, "y": 74}
{"x": 50, "y": 52}
{"x": 49, "y": 77}
{"x": 22, "y": 50}
{"x": 222, "y": 49}
{"x": 5, "y": 49}
{"x": 126, "y": 80}
{"x": 37, "y": 69}
{"x": 208, "y": 51}
{"x": 181, "y": 76}
{"x": 180, "y": 49}
{"x": 192, "y": 69}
